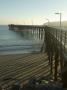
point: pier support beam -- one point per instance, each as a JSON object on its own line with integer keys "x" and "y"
{"x": 56, "y": 65}
{"x": 39, "y": 33}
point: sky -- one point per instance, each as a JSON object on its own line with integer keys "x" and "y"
{"x": 31, "y": 11}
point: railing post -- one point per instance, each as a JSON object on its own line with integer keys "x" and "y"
{"x": 51, "y": 54}
{"x": 61, "y": 55}
{"x": 56, "y": 64}
{"x": 49, "y": 49}
{"x": 56, "y": 58}
{"x": 64, "y": 40}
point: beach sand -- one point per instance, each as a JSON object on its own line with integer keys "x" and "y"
{"x": 21, "y": 67}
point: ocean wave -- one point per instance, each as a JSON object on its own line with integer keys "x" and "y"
{"x": 19, "y": 45}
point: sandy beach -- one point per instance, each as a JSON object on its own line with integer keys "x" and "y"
{"x": 21, "y": 67}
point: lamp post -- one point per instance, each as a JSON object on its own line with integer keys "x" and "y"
{"x": 60, "y": 18}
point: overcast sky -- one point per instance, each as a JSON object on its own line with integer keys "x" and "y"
{"x": 31, "y": 11}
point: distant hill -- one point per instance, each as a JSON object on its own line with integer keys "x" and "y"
{"x": 64, "y": 24}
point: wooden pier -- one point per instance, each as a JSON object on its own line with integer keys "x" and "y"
{"x": 51, "y": 62}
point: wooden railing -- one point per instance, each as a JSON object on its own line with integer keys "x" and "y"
{"x": 56, "y": 47}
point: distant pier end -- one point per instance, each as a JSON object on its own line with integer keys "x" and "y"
{"x": 22, "y": 27}
{"x": 11, "y": 26}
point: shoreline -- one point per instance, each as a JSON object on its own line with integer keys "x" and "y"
{"x": 19, "y": 53}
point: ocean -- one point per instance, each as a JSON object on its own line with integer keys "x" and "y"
{"x": 13, "y": 42}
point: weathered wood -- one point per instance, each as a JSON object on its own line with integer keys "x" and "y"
{"x": 56, "y": 48}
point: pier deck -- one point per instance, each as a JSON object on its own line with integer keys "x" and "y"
{"x": 21, "y": 68}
